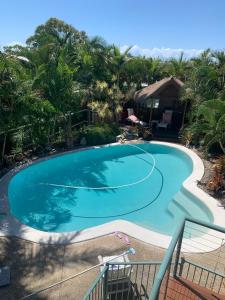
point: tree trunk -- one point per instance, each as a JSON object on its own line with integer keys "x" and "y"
{"x": 68, "y": 132}
{"x": 222, "y": 147}
{"x": 89, "y": 116}
{"x": 3, "y": 148}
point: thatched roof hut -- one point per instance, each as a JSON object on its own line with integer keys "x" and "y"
{"x": 167, "y": 86}
{"x": 153, "y": 100}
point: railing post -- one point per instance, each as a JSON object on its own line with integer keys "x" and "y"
{"x": 105, "y": 283}
{"x": 167, "y": 279}
{"x": 155, "y": 290}
{"x": 182, "y": 262}
{"x": 178, "y": 251}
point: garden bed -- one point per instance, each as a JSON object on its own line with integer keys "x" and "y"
{"x": 208, "y": 175}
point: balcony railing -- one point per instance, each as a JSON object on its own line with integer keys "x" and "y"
{"x": 195, "y": 261}
{"x": 203, "y": 276}
{"x": 198, "y": 253}
{"x": 194, "y": 264}
{"x": 132, "y": 280}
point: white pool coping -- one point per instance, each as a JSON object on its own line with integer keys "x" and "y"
{"x": 12, "y": 227}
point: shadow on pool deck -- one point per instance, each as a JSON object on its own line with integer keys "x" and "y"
{"x": 35, "y": 266}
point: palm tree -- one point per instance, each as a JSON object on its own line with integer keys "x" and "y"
{"x": 140, "y": 70}
{"x": 203, "y": 77}
{"x": 211, "y": 116}
{"x": 20, "y": 105}
{"x": 55, "y": 81}
{"x": 179, "y": 67}
{"x": 94, "y": 56}
{"x": 219, "y": 57}
{"x": 118, "y": 60}
{"x": 56, "y": 34}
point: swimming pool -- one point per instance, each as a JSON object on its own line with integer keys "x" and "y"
{"x": 141, "y": 184}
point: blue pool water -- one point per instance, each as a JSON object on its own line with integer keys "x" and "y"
{"x": 44, "y": 195}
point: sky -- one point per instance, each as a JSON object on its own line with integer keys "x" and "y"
{"x": 154, "y": 28}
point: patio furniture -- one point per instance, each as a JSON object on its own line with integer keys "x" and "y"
{"x": 119, "y": 282}
{"x": 4, "y": 276}
{"x": 162, "y": 125}
{"x": 114, "y": 268}
{"x": 134, "y": 120}
{"x": 166, "y": 119}
{"x": 154, "y": 123}
{"x": 130, "y": 111}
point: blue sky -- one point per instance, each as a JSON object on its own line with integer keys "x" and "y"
{"x": 152, "y": 27}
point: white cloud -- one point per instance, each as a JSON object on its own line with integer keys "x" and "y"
{"x": 162, "y": 52}
{"x": 16, "y": 43}
{"x": 11, "y": 44}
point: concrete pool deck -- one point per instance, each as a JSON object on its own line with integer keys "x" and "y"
{"x": 10, "y": 226}
{"x": 36, "y": 266}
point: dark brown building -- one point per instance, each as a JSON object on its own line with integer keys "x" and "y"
{"x": 153, "y": 102}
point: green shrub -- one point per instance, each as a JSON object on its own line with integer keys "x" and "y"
{"x": 100, "y": 134}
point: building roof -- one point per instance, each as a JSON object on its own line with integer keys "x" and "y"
{"x": 155, "y": 88}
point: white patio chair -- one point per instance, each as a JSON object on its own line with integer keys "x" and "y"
{"x": 118, "y": 275}
{"x": 4, "y": 276}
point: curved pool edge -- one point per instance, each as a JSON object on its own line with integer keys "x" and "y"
{"x": 12, "y": 227}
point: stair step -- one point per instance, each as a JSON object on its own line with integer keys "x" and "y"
{"x": 175, "y": 209}
{"x": 179, "y": 288}
{"x": 190, "y": 206}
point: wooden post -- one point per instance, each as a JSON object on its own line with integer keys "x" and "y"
{"x": 150, "y": 116}
{"x": 184, "y": 113}
{"x": 3, "y": 147}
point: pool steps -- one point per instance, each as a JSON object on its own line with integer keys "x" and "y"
{"x": 175, "y": 208}
{"x": 184, "y": 204}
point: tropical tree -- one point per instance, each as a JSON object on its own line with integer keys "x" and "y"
{"x": 20, "y": 106}
{"x": 93, "y": 63}
{"x": 55, "y": 82}
{"x": 177, "y": 67}
{"x": 54, "y": 35}
{"x": 107, "y": 101}
{"x": 219, "y": 57}
{"x": 60, "y": 70}
{"x": 140, "y": 70}
{"x": 211, "y": 121}
{"x": 117, "y": 62}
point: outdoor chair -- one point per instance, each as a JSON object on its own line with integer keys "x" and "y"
{"x": 166, "y": 119}
{"x": 4, "y": 276}
{"x": 119, "y": 282}
{"x": 134, "y": 120}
